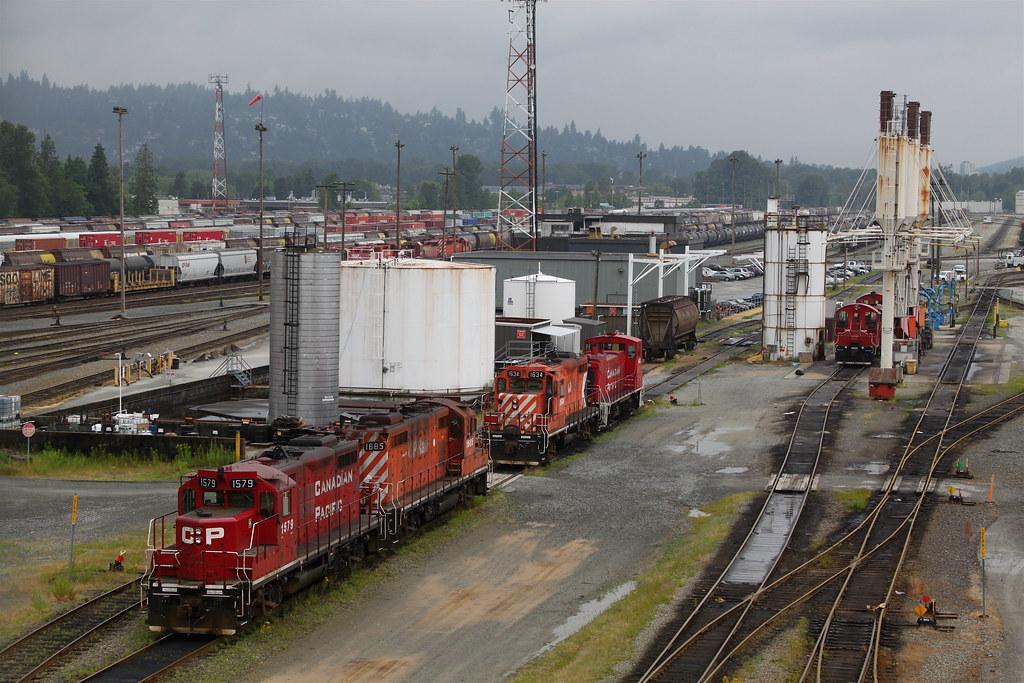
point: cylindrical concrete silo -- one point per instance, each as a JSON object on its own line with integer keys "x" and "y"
{"x": 304, "y": 319}
{"x": 416, "y": 326}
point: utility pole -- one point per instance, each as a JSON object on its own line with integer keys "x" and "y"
{"x": 345, "y": 187}
{"x": 455, "y": 185}
{"x": 543, "y": 180}
{"x": 121, "y": 112}
{"x": 323, "y": 192}
{"x": 448, "y": 174}
{"x": 260, "y": 130}
{"x": 732, "y": 161}
{"x": 398, "y": 189}
{"x": 640, "y": 190}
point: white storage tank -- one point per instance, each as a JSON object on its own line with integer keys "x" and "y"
{"x": 416, "y": 326}
{"x": 304, "y": 336}
{"x": 539, "y": 296}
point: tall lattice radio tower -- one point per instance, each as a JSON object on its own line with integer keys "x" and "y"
{"x": 517, "y": 199}
{"x": 219, "y": 187}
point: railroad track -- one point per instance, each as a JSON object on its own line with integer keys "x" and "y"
{"x": 155, "y": 659}
{"x": 38, "y": 649}
{"x": 184, "y": 295}
{"x": 69, "y": 354}
{"x": 851, "y": 636}
{"x": 694, "y": 647}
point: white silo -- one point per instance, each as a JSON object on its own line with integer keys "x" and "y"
{"x": 416, "y": 326}
{"x": 304, "y": 311}
{"x": 539, "y": 296}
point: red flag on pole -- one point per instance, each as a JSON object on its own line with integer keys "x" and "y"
{"x": 259, "y": 96}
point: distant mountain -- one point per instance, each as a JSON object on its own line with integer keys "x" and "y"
{"x": 176, "y": 121}
{"x": 1003, "y": 166}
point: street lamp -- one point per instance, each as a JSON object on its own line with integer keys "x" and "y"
{"x": 543, "y": 180}
{"x": 398, "y": 190}
{"x": 260, "y": 130}
{"x": 455, "y": 186}
{"x": 640, "y": 190}
{"x": 732, "y": 161}
{"x": 121, "y": 112}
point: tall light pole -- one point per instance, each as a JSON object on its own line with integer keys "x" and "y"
{"x": 455, "y": 186}
{"x": 732, "y": 162}
{"x": 640, "y": 190}
{"x": 260, "y": 130}
{"x": 447, "y": 173}
{"x": 121, "y": 112}
{"x": 398, "y": 190}
{"x": 543, "y": 180}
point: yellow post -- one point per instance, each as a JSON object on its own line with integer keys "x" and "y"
{"x": 238, "y": 446}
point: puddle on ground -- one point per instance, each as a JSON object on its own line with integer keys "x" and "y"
{"x": 870, "y": 468}
{"x": 587, "y": 612}
{"x": 731, "y": 470}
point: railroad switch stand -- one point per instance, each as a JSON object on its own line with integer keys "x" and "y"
{"x": 963, "y": 469}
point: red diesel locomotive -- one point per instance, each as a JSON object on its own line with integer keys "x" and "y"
{"x": 858, "y": 334}
{"x": 542, "y": 403}
{"x": 249, "y": 534}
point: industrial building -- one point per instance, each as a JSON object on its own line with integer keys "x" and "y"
{"x": 608, "y": 274}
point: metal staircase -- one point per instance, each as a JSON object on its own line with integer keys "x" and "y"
{"x": 236, "y": 366}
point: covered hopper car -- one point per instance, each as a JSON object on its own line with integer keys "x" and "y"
{"x": 668, "y": 324}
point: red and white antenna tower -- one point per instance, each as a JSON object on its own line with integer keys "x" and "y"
{"x": 517, "y": 199}
{"x": 219, "y": 187}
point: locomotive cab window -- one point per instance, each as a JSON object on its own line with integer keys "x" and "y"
{"x": 266, "y": 504}
{"x": 527, "y": 386}
{"x": 286, "y": 503}
{"x": 188, "y": 501}
{"x": 842, "y": 319}
{"x": 502, "y": 385}
{"x": 241, "y": 500}
{"x": 213, "y": 498}
{"x": 871, "y": 320}
{"x": 631, "y": 351}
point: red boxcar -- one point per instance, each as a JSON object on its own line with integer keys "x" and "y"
{"x": 81, "y": 278}
{"x": 201, "y": 235}
{"x": 156, "y": 237}
{"x": 44, "y": 243}
{"x": 178, "y": 225}
{"x": 252, "y": 532}
{"x": 871, "y": 299}
{"x": 99, "y": 239}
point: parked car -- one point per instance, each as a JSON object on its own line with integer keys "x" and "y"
{"x": 961, "y": 273}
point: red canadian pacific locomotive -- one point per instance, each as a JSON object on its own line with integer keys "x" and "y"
{"x": 542, "y": 403}
{"x": 248, "y": 534}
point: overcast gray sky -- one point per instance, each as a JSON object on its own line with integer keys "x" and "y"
{"x": 778, "y": 78}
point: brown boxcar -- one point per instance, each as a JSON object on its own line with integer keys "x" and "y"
{"x": 26, "y": 284}
{"x": 81, "y": 278}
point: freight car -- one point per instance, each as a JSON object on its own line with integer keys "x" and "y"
{"x": 26, "y": 285}
{"x": 249, "y": 534}
{"x": 667, "y": 324}
{"x": 541, "y": 404}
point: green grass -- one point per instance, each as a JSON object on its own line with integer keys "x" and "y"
{"x": 48, "y": 588}
{"x": 102, "y": 465}
{"x": 855, "y": 500}
{"x": 785, "y": 662}
{"x": 263, "y": 643}
{"x": 1014, "y": 385}
{"x": 592, "y": 653}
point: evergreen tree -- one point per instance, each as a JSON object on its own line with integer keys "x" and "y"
{"x": 198, "y": 190}
{"x": 471, "y": 195}
{"x": 143, "y": 184}
{"x": 19, "y": 162}
{"x": 101, "y": 188}
{"x": 430, "y": 195}
{"x": 281, "y": 187}
{"x": 8, "y": 197}
{"x": 179, "y": 188}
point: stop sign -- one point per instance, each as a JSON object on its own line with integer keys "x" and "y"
{"x": 28, "y": 430}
